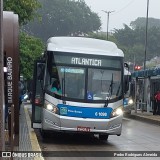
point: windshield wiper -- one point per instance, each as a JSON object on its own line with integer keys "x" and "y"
{"x": 110, "y": 90}
{"x": 106, "y": 102}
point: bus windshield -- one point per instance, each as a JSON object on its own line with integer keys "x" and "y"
{"x": 103, "y": 84}
{"x": 87, "y": 82}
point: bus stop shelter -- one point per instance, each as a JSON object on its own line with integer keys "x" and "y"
{"x": 147, "y": 82}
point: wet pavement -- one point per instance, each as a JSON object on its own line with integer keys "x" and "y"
{"x": 147, "y": 117}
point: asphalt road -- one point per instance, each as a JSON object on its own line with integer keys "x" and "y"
{"x": 136, "y": 136}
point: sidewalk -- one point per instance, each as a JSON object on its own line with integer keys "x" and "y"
{"x": 145, "y": 117}
{"x": 27, "y": 138}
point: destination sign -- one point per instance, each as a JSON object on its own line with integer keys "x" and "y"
{"x": 85, "y": 61}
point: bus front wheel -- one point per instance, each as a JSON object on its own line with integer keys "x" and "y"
{"x": 103, "y": 137}
{"x": 43, "y": 133}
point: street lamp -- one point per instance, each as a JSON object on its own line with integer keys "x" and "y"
{"x": 107, "y": 12}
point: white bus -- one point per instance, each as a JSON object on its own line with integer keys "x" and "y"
{"x": 90, "y": 75}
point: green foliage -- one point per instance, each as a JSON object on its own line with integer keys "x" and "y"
{"x": 132, "y": 42}
{"x": 125, "y": 36}
{"x": 31, "y": 48}
{"x": 102, "y": 36}
{"x": 140, "y": 22}
{"x": 64, "y": 18}
{"x": 97, "y": 36}
{"x": 26, "y": 9}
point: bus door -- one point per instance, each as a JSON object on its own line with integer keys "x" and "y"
{"x": 37, "y": 93}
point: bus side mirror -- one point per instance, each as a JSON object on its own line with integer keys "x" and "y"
{"x": 126, "y": 65}
{"x": 126, "y": 84}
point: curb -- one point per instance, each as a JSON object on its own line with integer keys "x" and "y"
{"x": 143, "y": 119}
{"x": 32, "y": 135}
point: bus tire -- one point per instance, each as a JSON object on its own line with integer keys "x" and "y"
{"x": 103, "y": 137}
{"x": 128, "y": 112}
{"x": 43, "y": 133}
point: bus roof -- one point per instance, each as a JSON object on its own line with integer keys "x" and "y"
{"x": 83, "y": 45}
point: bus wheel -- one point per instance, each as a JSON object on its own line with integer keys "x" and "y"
{"x": 103, "y": 137}
{"x": 127, "y": 112}
{"x": 43, "y": 133}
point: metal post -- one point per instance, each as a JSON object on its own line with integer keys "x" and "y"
{"x": 145, "y": 52}
{"x": 135, "y": 103}
{"x": 107, "y": 12}
{"x": 2, "y": 141}
{"x": 134, "y": 62}
{"x": 107, "y": 23}
{"x": 146, "y": 36}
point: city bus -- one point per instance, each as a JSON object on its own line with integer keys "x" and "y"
{"x": 89, "y": 73}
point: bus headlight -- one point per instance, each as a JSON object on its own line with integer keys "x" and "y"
{"x": 116, "y": 112}
{"x": 130, "y": 101}
{"x": 49, "y": 107}
{"x": 52, "y": 108}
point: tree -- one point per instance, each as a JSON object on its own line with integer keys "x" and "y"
{"x": 31, "y": 48}
{"x": 97, "y": 35}
{"x": 140, "y": 22}
{"x": 125, "y": 36}
{"x": 63, "y": 18}
{"x": 26, "y": 9}
{"x": 132, "y": 42}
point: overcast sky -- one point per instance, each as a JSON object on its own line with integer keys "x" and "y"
{"x": 125, "y": 11}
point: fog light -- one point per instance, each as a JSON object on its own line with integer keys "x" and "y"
{"x": 115, "y": 126}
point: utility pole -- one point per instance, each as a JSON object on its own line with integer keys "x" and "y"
{"x": 107, "y": 12}
{"x": 2, "y": 107}
{"x": 145, "y": 52}
{"x": 146, "y": 36}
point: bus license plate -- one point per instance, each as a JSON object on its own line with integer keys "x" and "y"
{"x": 83, "y": 129}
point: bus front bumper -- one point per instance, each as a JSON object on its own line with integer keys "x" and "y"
{"x": 51, "y": 121}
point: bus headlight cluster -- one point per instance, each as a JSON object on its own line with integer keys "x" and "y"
{"x": 49, "y": 107}
{"x": 52, "y": 108}
{"x": 116, "y": 112}
{"x": 130, "y": 101}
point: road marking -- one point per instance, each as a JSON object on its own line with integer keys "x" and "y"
{"x": 32, "y": 135}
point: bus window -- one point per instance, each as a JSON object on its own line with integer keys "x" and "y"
{"x": 104, "y": 83}
{"x": 74, "y": 81}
